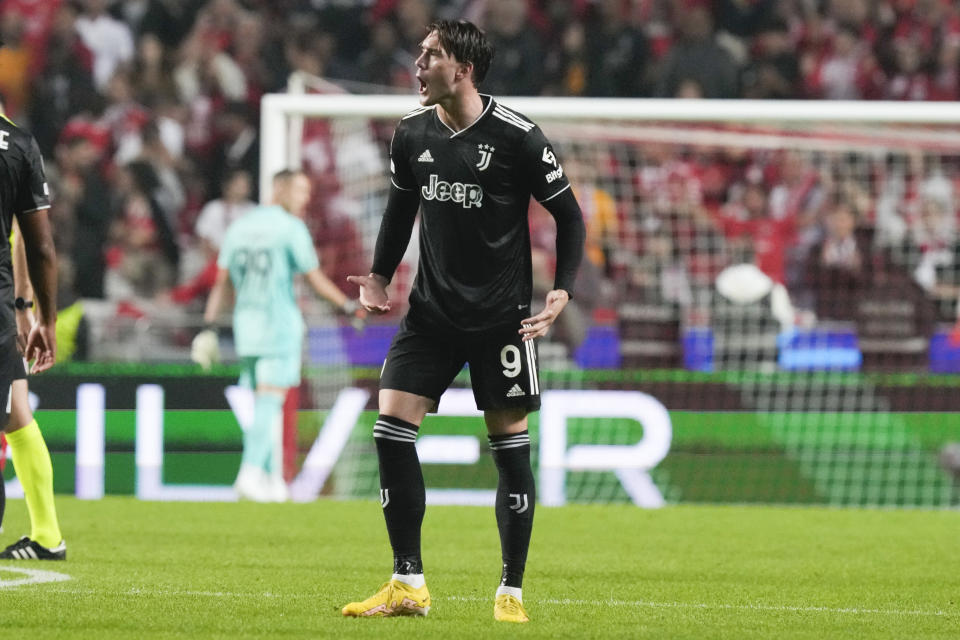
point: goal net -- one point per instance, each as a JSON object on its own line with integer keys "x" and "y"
{"x": 780, "y": 277}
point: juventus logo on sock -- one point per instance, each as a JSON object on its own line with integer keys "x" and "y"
{"x": 520, "y": 502}
{"x": 384, "y": 497}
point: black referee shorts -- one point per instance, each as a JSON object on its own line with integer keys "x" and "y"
{"x": 503, "y": 368}
{"x": 11, "y": 368}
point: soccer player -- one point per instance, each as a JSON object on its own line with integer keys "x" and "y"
{"x": 24, "y": 194}
{"x": 261, "y": 253}
{"x": 471, "y": 165}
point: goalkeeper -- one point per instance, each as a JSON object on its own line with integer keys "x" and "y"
{"x": 261, "y": 253}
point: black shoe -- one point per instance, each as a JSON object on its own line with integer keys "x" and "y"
{"x": 27, "y": 549}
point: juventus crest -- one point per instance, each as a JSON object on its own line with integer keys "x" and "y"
{"x": 486, "y": 152}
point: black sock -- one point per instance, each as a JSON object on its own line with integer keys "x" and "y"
{"x": 516, "y": 495}
{"x": 402, "y": 493}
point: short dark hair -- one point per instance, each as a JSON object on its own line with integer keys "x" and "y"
{"x": 466, "y": 43}
{"x": 286, "y": 174}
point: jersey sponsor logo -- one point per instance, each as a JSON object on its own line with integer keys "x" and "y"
{"x": 4, "y": 143}
{"x": 486, "y": 152}
{"x": 549, "y": 158}
{"x": 554, "y": 175}
{"x": 469, "y": 195}
{"x": 425, "y": 157}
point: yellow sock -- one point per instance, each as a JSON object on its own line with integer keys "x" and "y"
{"x": 31, "y": 460}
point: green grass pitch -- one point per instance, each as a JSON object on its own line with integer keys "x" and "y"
{"x": 170, "y": 570}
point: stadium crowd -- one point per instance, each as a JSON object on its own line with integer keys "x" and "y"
{"x": 147, "y": 112}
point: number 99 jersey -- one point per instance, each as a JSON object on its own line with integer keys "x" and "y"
{"x": 263, "y": 250}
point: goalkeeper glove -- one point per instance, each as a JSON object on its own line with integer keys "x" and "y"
{"x": 355, "y": 314}
{"x": 205, "y": 348}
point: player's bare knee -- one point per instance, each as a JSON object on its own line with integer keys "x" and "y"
{"x": 409, "y": 407}
{"x": 505, "y": 421}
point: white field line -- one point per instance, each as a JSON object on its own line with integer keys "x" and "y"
{"x": 33, "y": 576}
{"x": 611, "y": 603}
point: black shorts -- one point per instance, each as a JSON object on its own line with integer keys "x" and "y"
{"x": 503, "y": 368}
{"x": 11, "y": 368}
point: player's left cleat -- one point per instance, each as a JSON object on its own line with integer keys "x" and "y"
{"x": 27, "y": 549}
{"x": 393, "y": 598}
{"x": 507, "y": 608}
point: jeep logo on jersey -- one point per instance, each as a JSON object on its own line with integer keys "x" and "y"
{"x": 470, "y": 195}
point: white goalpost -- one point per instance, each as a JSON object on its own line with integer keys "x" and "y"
{"x": 819, "y": 399}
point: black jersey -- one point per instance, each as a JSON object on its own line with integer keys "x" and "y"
{"x": 475, "y": 186}
{"x": 23, "y": 190}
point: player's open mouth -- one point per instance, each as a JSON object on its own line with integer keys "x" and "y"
{"x": 423, "y": 86}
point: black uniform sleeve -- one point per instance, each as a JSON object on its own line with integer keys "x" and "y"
{"x": 395, "y": 229}
{"x": 571, "y": 233}
{"x": 401, "y": 176}
{"x": 32, "y": 192}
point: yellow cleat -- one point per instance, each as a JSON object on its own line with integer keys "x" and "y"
{"x": 509, "y": 609}
{"x": 394, "y": 598}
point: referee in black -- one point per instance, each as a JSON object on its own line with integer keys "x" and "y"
{"x": 470, "y": 165}
{"x": 24, "y": 193}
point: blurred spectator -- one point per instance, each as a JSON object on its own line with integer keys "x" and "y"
{"x": 566, "y": 62}
{"x": 205, "y": 70}
{"x": 774, "y": 71}
{"x": 519, "y": 54}
{"x": 169, "y": 192}
{"x": 15, "y": 63}
{"x": 909, "y": 80}
{"x": 65, "y": 87}
{"x": 143, "y": 255}
{"x": 82, "y": 195}
{"x": 616, "y": 53}
{"x": 839, "y": 72}
{"x": 238, "y": 146}
{"x": 38, "y": 18}
{"x": 385, "y": 63}
{"x": 697, "y": 58}
{"x": 217, "y": 214}
{"x": 838, "y": 268}
{"x": 931, "y": 249}
{"x": 168, "y": 21}
{"x": 109, "y": 39}
{"x": 152, "y": 74}
{"x": 751, "y": 224}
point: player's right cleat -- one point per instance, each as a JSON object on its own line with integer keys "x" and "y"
{"x": 27, "y": 549}
{"x": 254, "y": 484}
{"x": 394, "y": 598}
{"x": 507, "y": 608}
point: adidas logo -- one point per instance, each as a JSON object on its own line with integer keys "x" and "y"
{"x": 425, "y": 157}
{"x": 515, "y": 391}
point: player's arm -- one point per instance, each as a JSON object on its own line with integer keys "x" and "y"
{"x": 41, "y": 263}
{"x": 222, "y": 291}
{"x": 395, "y": 230}
{"x": 556, "y": 195}
{"x": 22, "y": 289}
{"x": 32, "y": 210}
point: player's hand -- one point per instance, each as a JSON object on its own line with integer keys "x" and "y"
{"x": 373, "y": 293}
{"x": 538, "y": 325}
{"x": 205, "y": 349}
{"x": 25, "y": 320}
{"x": 356, "y": 314}
{"x": 41, "y": 347}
